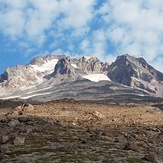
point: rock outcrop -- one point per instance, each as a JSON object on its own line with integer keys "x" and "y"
{"x": 19, "y": 76}
{"x": 64, "y": 67}
{"x": 90, "y": 64}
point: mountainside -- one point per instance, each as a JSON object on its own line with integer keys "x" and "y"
{"x": 137, "y": 73}
{"x": 82, "y": 78}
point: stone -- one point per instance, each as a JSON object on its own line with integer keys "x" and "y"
{"x": 97, "y": 115}
{"x": 27, "y": 107}
{"x": 18, "y": 108}
{"x": 4, "y": 138}
{"x": 5, "y": 148}
{"x": 151, "y": 158}
{"x": 13, "y": 123}
{"x": 131, "y": 146}
{"x": 19, "y": 140}
{"x": 120, "y": 139}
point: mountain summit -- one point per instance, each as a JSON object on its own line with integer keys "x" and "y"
{"x": 137, "y": 73}
{"x": 83, "y": 78}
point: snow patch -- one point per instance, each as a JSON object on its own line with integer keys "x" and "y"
{"x": 9, "y": 97}
{"x": 96, "y": 77}
{"x": 39, "y": 94}
{"x": 43, "y": 89}
{"x": 87, "y": 57}
{"x": 48, "y": 66}
{"x": 74, "y": 65}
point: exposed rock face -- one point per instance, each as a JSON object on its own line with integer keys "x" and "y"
{"x": 41, "y": 60}
{"x": 64, "y": 67}
{"x": 90, "y": 64}
{"x": 19, "y": 76}
{"x": 23, "y": 77}
{"x": 51, "y": 70}
{"x": 41, "y": 69}
{"x": 137, "y": 73}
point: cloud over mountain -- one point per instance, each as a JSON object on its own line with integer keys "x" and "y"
{"x": 101, "y": 28}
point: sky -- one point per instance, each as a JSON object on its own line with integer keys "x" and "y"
{"x": 101, "y": 28}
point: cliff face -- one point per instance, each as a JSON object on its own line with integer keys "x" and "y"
{"x": 137, "y": 73}
{"x": 20, "y": 76}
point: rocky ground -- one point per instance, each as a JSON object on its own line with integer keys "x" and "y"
{"x": 70, "y": 131}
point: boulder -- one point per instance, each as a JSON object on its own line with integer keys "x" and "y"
{"x": 27, "y": 107}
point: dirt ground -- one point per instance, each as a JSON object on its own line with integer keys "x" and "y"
{"x": 70, "y": 131}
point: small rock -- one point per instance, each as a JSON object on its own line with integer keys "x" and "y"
{"x": 27, "y": 107}
{"x": 151, "y": 158}
{"x": 13, "y": 123}
{"x": 98, "y": 115}
{"x": 4, "y": 138}
{"x": 131, "y": 146}
{"x": 5, "y": 148}
{"x": 18, "y": 108}
{"x": 120, "y": 139}
{"x": 28, "y": 130}
{"x": 19, "y": 140}
{"x": 23, "y": 119}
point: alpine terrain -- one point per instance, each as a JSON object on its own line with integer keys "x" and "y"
{"x": 58, "y": 109}
{"x": 128, "y": 79}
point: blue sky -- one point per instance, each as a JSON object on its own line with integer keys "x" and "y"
{"x": 101, "y": 28}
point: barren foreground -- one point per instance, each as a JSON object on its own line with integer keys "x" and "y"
{"x": 69, "y": 131}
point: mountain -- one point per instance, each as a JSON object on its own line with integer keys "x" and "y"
{"x": 136, "y": 73}
{"x": 82, "y": 78}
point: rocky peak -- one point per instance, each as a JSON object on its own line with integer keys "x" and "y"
{"x": 18, "y": 76}
{"x": 89, "y": 64}
{"x": 43, "y": 59}
{"x": 64, "y": 67}
{"x": 37, "y": 61}
{"x": 15, "y": 71}
{"x": 122, "y": 69}
{"x": 135, "y": 72}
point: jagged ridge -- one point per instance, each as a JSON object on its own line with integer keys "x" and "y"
{"x": 54, "y": 70}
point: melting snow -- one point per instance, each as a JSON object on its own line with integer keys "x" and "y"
{"x": 48, "y": 66}
{"x": 96, "y": 77}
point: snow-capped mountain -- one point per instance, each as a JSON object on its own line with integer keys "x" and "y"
{"x": 42, "y": 69}
{"x": 83, "y": 78}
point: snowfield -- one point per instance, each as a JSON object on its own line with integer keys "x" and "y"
{"x": 74, "y": 65}
{"x": 48, "y": 66}
{"x": 96, "y": 77}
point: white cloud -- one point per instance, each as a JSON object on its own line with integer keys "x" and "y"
{"x": 29, "y": 51}
{"x": 136, "y": 26}
{"x": 157, "y": 63}
{"x": 60, "y": 52}
{"x": 85, "y": 44}
{"x": 113, "y": 28}
{"x": 76, "y": 14}
{"x": 110, "y": 58}
{"x": 32, "y": 19}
